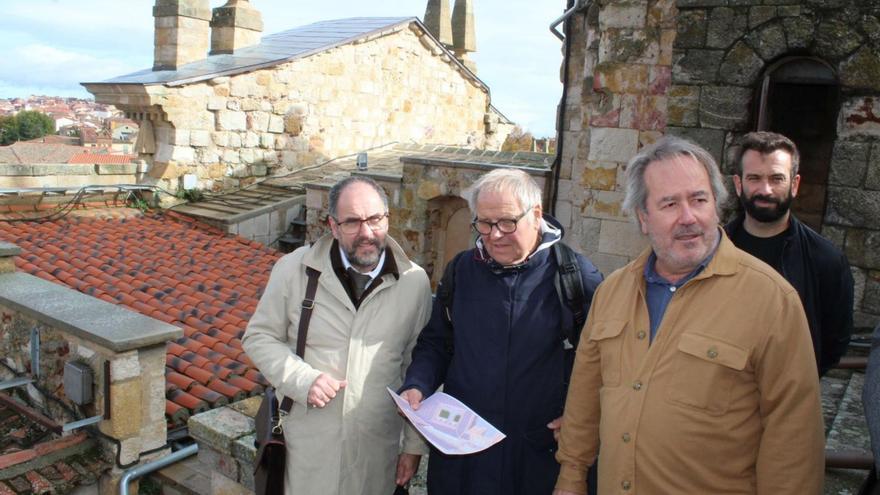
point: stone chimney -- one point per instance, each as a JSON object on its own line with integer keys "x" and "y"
{"x": 182, "y": 32}
{"x": 235, "y": 25}
{"x": 439, "y": 21}
{"x": 463, "y": 38}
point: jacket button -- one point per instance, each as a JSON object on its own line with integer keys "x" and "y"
{"x": 626, "y": 485}
{"x": 626, "y": 438}
{"x": 637, "y": 385}
{"x": 712, "y": 353}
{"x": 641, "y": 334}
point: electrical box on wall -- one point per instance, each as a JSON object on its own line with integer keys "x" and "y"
{"x": 78, "y": 381}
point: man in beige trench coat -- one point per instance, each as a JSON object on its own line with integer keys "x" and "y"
{"x": 343, "y": 432}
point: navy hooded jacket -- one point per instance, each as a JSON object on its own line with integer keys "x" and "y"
{"x": 508, "y": 364}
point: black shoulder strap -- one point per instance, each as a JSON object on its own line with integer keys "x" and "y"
{"x": 308, "y": 304}
{"x": 445, "y": 293}
{"x": 570, "y": 287}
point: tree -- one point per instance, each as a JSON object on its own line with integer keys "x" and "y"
{"x": 518, "y": 140}
{"x": 8, "y": 130}
{"x": 32, "y": 125}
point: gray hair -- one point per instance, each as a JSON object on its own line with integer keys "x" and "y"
{"x": 665, "y": 148}
{"x": 336, "y": 192}
{"x": 510, "y": 180}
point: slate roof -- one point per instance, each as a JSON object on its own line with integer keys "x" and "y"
{"x": 168, "y": 267}
{"x": 278, "y": 48}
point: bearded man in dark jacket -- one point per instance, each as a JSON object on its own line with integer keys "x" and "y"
{"x": 508, "y": 357}
{"x": 766, "y": 182}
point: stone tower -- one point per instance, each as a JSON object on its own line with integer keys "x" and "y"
{"x": 182, "y": 32}
{"x": 463, "y": 38}
{"x": 438, "y": 20}
{"x": 235, "y": 25}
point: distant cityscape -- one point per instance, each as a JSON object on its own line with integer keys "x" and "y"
{"x": 82, "y": 128}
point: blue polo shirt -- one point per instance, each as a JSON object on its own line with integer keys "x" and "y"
{"x": 659, "y": 291}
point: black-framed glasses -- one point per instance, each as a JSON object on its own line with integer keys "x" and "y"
{"x": 505, "y": 225}
{"x": 353, "y": 226}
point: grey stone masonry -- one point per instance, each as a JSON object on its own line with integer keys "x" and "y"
{"x": 88, "y": 318}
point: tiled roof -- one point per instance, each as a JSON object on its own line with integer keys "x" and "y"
{"x": 26, "y": 153}
{"x": 102, "y": 158}
{"x": 167, "y": 267}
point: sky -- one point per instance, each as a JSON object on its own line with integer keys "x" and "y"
{"x": 50, "y": 46}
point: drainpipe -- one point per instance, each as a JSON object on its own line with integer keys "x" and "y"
{"x": 135, "y": 473}
{"x": 574, "y": 6}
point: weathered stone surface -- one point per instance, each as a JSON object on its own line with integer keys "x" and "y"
{"x": 862, "y": 70}
{"x": 599, "y": 175}
{"x": 853, "y": 207}
{"x": 836, "y": 38}
{"x": 696, "y": 66}
{"x": 613, "y": 145}
{"x": 219, "y": 428}
{"x": 860, "y": 116}
{"x": 231, "y": 120}
{"x": 799, "y": 31}
{"x": 872, "y": 177}
{"x": 724, "y": 107}
{"x": 621, "y": 238}
{"x": 871, "y": 300}
{"x": 628, "y": 45}
{"x": 726, "y": 25}
{"x": 768, "y": 41}
{"x": 849, "y": 163}
{"x": 741, "y": 65}
{"x": 700, "y": 3}
{"x": 621, "y": 78}
{"x": 623, "y": 15}
{"x": 760, "y": 14}
{"x": 710, "y": 139}
{"x": 691, "y": 28}
{"x": 862, "y": 248}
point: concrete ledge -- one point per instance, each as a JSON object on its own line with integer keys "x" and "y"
{"x": 88, "y": 318}
{"x": 115, "y": 168}
{"x": 9, "y": 249}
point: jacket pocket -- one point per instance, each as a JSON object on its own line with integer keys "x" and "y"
{"x": 705, "y": 371}
{"x": 608, "y": 337}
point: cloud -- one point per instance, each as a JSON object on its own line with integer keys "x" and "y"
{"x": 44, "y": 66}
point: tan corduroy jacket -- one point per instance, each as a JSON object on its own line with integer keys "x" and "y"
{"x": 725, "y": 399}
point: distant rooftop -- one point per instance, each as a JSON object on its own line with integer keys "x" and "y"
{"x": 25, "y": 153}
{"x": 278, "y": 48}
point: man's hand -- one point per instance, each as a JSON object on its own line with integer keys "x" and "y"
{"x": 324, "y": 389}
{"x": 413, "y": 396}
{"x": 407, "y": 465}
{"x": 555, "y": 425}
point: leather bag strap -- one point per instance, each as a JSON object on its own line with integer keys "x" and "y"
{"x": 308, "y": 304}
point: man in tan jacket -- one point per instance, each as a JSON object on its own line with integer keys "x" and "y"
{"x": 343, "y": 433}
{"x": 696, "y": 371}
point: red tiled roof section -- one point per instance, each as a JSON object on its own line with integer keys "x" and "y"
{"x": 171, "y": 268}
{"x": 101, "y": 158}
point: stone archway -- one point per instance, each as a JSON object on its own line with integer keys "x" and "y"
{"x": 449, "y": 230}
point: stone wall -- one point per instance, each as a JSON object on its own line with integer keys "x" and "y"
{"x": 66, "y": 175}
{"x": 398, "y": 86}
{"x": 639, "y": 69}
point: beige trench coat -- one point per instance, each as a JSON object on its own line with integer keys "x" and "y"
{"x": 351, "y": 445}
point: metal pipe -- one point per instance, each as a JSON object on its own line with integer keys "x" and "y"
{"x": 137, "y": 472}
{"x": 578, "y": 4}
{"x": 848, "y": 459}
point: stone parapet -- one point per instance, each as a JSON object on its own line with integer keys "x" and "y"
{"x": 226, "y": 445}
{"x": 124, "y": 350}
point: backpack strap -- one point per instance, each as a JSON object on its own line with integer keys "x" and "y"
{"x": 445, "y": 293}
{"x": 570, "y": 288}
{"x": 308, "y": 304}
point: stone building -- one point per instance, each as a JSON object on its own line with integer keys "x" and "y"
{"x": 254, "y": 107}
{"x": 710, "y": 71}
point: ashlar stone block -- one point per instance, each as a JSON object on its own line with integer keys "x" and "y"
{"x": 725, "y": 26}
{"x": 768, "y": 41}
{"x": 228, "y": 120}
{"x": 623, "y": 14}
{"x": 613, "y": 145}
{"x": 724, "y": 107}
{"x": 849, "y": 162}
{"x": 622, "y": 238}
{"x": 741, "y": 65}
{"x": 696, "y": 66}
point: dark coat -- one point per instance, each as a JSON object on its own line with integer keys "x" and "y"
{"x": 871, "y": 396}
{"x": 508, "y": 364}
{"x": 821, "y": 275}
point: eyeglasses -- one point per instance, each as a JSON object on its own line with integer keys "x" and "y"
{"x": 353, "y": 226}
{"x": 505, "y": 225}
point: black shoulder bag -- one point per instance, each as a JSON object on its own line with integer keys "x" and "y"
{"x": 269, "y": 463}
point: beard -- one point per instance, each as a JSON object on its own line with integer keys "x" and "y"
{"x": 368, "y": 260}
{"x": 766, "y": 214}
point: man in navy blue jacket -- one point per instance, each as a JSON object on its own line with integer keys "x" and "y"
{"x": 505, "y": 353}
